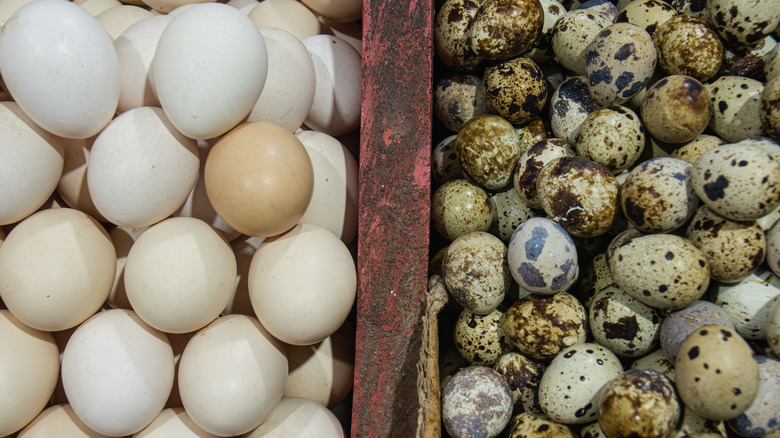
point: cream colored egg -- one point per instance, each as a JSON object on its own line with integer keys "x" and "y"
{"x": 244, "y": 249}
{"x": 58, "y": 420}
{"x": 244, "y": 6}
{"x": 334, "y": 203}
{"x": 32, "y": 164}
{"x": 29, "y": 370}
{"x": 289, "y": 15}
{"x": 351, "y": 32}
{"x": 123, "y": 239}
{"x": 231, "y": 375}
{"x": 115, "y": 20}
{"x": 289, "y": 88}
{"x": 337, "y": 66}
{"x": 302, "y": 284}
{"x": 73, "y": 188}
{"x": 299, "y": 417}
{"x": 180, "y": 274}
{"x": 117, "y": 372}
{"x": 173, "y": 423}
{"x": 141, "y": 169}
{"x": 166, "y": 6}
{"x": 96, "y": 7}
{"x": 342, "y": 11}
{"x": 57, "y": 267}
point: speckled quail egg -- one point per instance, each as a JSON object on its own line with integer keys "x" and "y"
{"x": 739, "y": 182}
{"x": 480, "y": 338}
{"x": 619, "y": 62}
{"x": 664, "y": 271}
{"x": 594, "y": 277}
{"x": 504, "y": 29}
{"x": 475, "y": 271}
{"x": 736, "y": 103}
{"x": 676, "y": 109}
{"x": 476, "y": 402}
{"x": 515, "y": 89}
{"x": 535, "y": 425}
{"x": 733, "y": 249}
{"x": 744, "y": 22}
{"x": 772, "y": 63}
{"x": 656, "y": 360}
{"x": 763, "y": 415}
{"x": 593, "y": 430}
{"x": 541, "y": 50}
{"x": 692, "y": 425}
{"x": 450, "y": 362}
{"x": 542, "y": 257}
{"x": 530, "y": 133}
{"x": 623, "y": 324}
{"x": 532, "y": 162}
{"x": 657, "y": 196}
{"x": 572, "y": 34}
{"x": 690, "y": 151}
{"x": 509, "y": 212}
{"x": 647, "y": 14}
{"x": 451, "y": 36}
{"x": 621, "y": 238}
{"x": 773, "y": 328}
{"x": 523, "y": 375}
{"x": 604, "y": 7}
{"x": 678, "y": 325}
{"x": 747, "y": 61}
{"x": 487, "y": 150}
{"x": 639, "y": 402}
{"x": 773, "y": 248}
{"x": 570, "y": 105}
{"x": 770, "y": 108}
{"x": 613, "y": 137}
{"x": 748, "y": 302}
{"x": 444, "y": 161}
{"x": 717, "y": 376}
{"x": 580, "y": 194}
{"x": 457, "y": 98}
{"x": 687, "y": 45}
{"x": 542, "y": 326}
{"x": 571, "y": 385}
{"x": 459, "y": 207}
{"x": 764, "y": 143}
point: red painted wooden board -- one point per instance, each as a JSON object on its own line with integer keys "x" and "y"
{"x": 395, "y": 146}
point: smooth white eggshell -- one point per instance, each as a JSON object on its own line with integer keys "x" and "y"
{"x": 60, "y": 66}
{"x": 73, "y": 187}
{"x": 231, "y": 375}
{"x": 32, "y": 164}
{"x": 302, "y": 284}
{"x": 96, "y": 7}
{"x": 117, "y": 372}
{"x": 117, "y": 19}
{"x": 135, "y": 49}
{"x": 173, "y": 423}
{"x": 334, "y": 203}
{"x": 141, "y": 169}
{"x": 289, "y": 15}
{"x": 299, "y": 417}
{"x": 209, "y": 69}
{"x": 749, "y": 301}
{"x": 8, "y": 7}
{"x": 337, "y": 66}
{"x": 29, "y": 368}
{"x": 244, "y": 6}
{"x": 351, "y": 32}
{"x": 58, "y": 420}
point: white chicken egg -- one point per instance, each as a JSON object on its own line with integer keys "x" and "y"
{"x": 96, "y": 7}
{"x": 58, "y": 420}
{"x": 296, "y": 417}
{"x": 173, "y": 422}
{"x": 73, "y": 188}
{"x": 115, "y": 20}
{"x": 289, "y": 15}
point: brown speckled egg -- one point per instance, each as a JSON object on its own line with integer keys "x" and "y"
{"x": 739, "y": 182}
{"x": 459, "y": 207}
{"x": 579, "y": 194}
{"x": 504, "y": 29}
{"x": 692, "y": 425}
{"x": 677, "y": 109}
{"x": 772, "y": 63}
{"x": 734, "y": 249}
{"x": 736, "y": 107}
{"x": 475, "y": 271}
{"x": 619, "y": 62}
{"x": 605, "y": 7}
{"x": 773, "y": 248}
{"x": 509, "y": 212}
{"x": 717, "y": 376}
{"x": 487, "y": 150}
{"x": 687, "y": 45}
{"x": 570, "y": 105}
{"x": 623, "y": 324}
{"x": 572, "y": 34}
{"x": 476, "y": 402}
{"x": 770, "y": 108}
{"x": 531, "y": 164}
{"x": 744, "y": 22}
{"x": 593, "y": 430}
{"x": 656, "y": 360}
{"x": 530, "y": 133}
{"x": 690, "y": 151}
{"x": 451, "y": 36}
{"x": 594, "y": 277}
{"x": 664, "y": 271}
{"x": 480, "y": 338}
{"x": 523, "y": 375}
{"x": 763, "y": 416}
{"x": 541, "y": 50}
{"x": 747, "y": 61}
{"x": 640, "y": 403}
{"x": 696, "y": 8}
{"x": 647, "y": 14}
{"x": 535, "y": 425}
{"x": 457, "y": 98}
{"x": 678, "y": 325}
{"x": 658, "y": 196}
{"x": 444, "y": 161}
{"x": 613, "y": 137}
{"x": 542, "y": 326}
{"x": 773, "y": 327}
{"x": 515, "y": 89}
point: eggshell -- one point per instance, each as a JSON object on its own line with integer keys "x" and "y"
{"x": 749, "y": 301}
{"x": 510, "y": 212}
{"x": 572, "y": 34}
{"x": 173, "y": 422}
{"x": 8, "y": 7}
{"x": 541, "y": 51}
{"x": 529, "y": 424}
{"x": 244, "y": 248}
{"x": 480, "y": 338}
{"x": 477, "y": 401}
{"x": 594, "y": 277}
{"x": 457, "y": 98}
{"x": 515, "y": 89}
{"x": 289, "y": 15}
{"x": 678, "y": 325}
{"x": 58, "y": 420}
{"x": 96, "y": 7}
{"x": 299, "y": 417}
{"x": 123, "y": 239}
{"x": 459, "y": 207}
{"x": 613, "y": 137}
{"x": 341, "y": 11}
{"x": 687, "y": 45}
{"x": 451, "y": 35}
{"x": 570, "y": 105}
{"x": 475, "y": 271}
{"x": 523, "y": 375}
{"x": 623, "y": 324}
{"x": 57, "y": 267}
{"x": 117, "y": 372}
{"x": 206, "y": 102}
{"x": 770, "y": 108}
{"x": 690, "y": 151}
{"x": 487, "y": 150}
{"x": 115, "y": 20}
{"x": 656, "y": 360}
{"x": 773, "y": 327}
{"x": 736, "y": 107}
{"x": 140, "y": 168}
{"x": 32, "y": 164}
{"x": 232, "y": 375}
{"x": 763, "y": 416}
{"x": 80, "y": 98}
{"x": 244, "y": 6}
{"x": 337, "y": 68}
{"x": 676, "y": 109}
{"x": 542, "y": 257}
{"x": 773, "y": 248}
{"x": 743, "y": 22}
{"x": 73, "y": 187}
{"x": 506, "y": 29}
{"x": 166, "y": 6}
{"x": 30, "y": 370}
{"x": 306, "y": 275}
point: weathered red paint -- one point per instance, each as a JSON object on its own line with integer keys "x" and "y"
{"x": 395, "y": 147}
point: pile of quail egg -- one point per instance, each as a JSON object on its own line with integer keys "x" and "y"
{"x": 606, "y": 195}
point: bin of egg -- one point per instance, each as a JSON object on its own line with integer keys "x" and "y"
{"x": 178, "y": 202}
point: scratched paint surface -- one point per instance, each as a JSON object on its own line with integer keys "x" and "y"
{"x": 394, "y": 214}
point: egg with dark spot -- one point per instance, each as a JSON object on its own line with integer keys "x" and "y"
{"x": 480, "y": 338}
{"x": 594, "y": 277}
{"x": 656, "y": 360}
{"x": 515, "y": 89}
{"x": 593, "y": 430}
{"x": 647, "y": 14}
{"x": 444, "y": 161}
{"x": 457, "y": 98}
{"x": 692, "y": 425}
{"x": 770, "y": 108}
{"x": 476, "y": 401}
{"x": 487, "y": 150}
{"x": 744, "y": 22}
{"x": 717, "y": 376}
{"x": 623, "y": 324}
{"x": 509, "y": 212}
{"x": 531, "y": 164}
{"x": 748, "y": 61}
{"x": 570, "y": 105}
{"x": 541, "y": 50}
{"x": 687, "y": 45}
{"x": 678, "y": 325}
{"x": 696, "y": 8}
{"x": 676, "y": 109}
{"x": 530, "y": 133}
{"x": 450, "y": 32}
{"x": 572, "y": 34}
{"x": 613, "y": 137}
{"x": 523, "y": 375}
{"x": 475, "y": 271}
{"x": 604, "y": 7}
{"x": 748, "y": 302}
{"x": 504, "y": 29}
{"x": 763, "y": 416}
{"x": 690, "y": 151}
{"x": 535, "y": 425}
{"x": 736, "y": 107}
{"x": 773, "y": 248}
{"x": 459, "y": 207}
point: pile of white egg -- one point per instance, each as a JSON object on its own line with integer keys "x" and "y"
{"x": 178, "y": 202}
{"x": 606, "y": 200}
